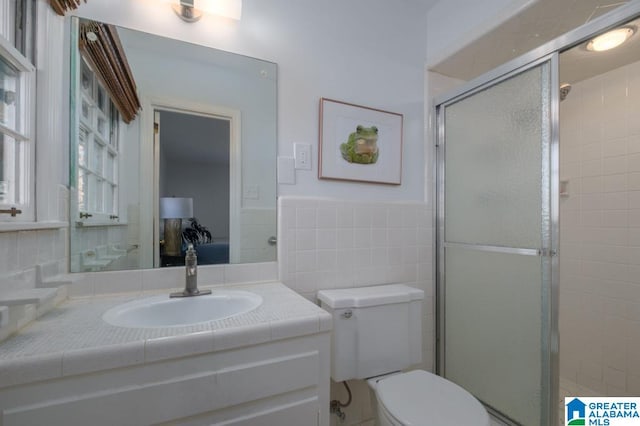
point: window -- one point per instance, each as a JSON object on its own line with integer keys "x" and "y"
{"x": 99, "y": 123}
{"x": 17, "y": 113}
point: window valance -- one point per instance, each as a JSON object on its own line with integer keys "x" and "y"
{"x": 101, "y": 47}
{"x": 62, "y": 6}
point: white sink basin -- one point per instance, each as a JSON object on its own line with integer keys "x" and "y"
{"x": 161, "y": 311}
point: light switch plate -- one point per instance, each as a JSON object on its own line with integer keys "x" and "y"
{"x": 302, "y": 154}
{"x": 286, "y": 170}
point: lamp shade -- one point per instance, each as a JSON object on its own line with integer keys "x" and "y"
{"x": 176, "y": 208}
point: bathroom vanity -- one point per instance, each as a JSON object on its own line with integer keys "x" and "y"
{"x": 268, "y": 366}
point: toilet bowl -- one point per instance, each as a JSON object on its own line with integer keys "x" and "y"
{"x": 419, "y": 398}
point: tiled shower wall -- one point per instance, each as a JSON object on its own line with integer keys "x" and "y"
{"x": 326, "y": 243}
{"x": 600, "y": 235}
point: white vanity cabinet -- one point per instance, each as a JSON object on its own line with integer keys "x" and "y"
{"x": 274, "y": 373}
{"x": 277, "y": 383}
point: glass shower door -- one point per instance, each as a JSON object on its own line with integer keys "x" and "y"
{"x": 495, "y": 243}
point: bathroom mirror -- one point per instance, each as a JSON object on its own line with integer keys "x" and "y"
{"x": 205, "y": 135}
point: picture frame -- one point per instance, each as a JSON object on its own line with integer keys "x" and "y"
{"x": 359, "y": 144}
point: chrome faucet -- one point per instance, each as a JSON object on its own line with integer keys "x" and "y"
{"x": 191, "y": 278}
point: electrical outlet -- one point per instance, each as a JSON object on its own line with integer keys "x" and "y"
{"x": 302, "y": 154}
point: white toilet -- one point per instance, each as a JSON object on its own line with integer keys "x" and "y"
{"x": 377, "y": 332}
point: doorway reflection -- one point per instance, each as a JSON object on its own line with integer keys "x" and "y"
{"x": 194, "y": 164}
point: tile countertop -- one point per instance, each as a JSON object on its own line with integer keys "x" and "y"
{"x": 73, "y": 339}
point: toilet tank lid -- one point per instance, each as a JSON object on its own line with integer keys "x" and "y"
{"x": 369, "y": 296}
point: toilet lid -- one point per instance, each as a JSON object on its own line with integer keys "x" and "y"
{"x": 413, "y": 397}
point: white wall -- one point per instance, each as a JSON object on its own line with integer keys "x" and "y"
{"x": 451, "y": 25}
{"x": 369, "y": 53}
{"x": 600, "y": 236}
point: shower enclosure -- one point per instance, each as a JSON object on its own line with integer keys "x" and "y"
{"x": 600, "y": 224}
{"x": 498, "y": 232}
{"x": 498, "y": 240}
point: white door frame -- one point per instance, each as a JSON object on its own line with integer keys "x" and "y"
{"x": 149, "y": 173}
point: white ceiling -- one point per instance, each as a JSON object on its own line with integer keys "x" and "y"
{"x": 543, "y": 21}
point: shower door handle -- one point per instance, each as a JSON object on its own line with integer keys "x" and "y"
{"x": 548, "y": 252}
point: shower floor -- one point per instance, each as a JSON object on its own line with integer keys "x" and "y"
{"x": 571, "y": 388}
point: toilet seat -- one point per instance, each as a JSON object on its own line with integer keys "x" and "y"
{"x": 419, "y": 398}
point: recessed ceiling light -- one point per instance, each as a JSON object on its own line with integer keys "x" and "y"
{"x": 611, "y": 39}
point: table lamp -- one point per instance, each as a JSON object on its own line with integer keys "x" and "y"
{"x": 173, "y": 210}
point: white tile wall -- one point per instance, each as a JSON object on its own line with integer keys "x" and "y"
{"x": 329, "y": 243}
{"x": 170, "y": 279}
{"x": 600, "y": 235}
{"x": 21, "y": 252}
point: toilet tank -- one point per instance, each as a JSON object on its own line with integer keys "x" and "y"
{"x": 376, "y": 330}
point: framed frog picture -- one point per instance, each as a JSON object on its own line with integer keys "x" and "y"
{"x": 359, "y": 144}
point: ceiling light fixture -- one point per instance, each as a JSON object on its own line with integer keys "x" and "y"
{"x": 610, "y": 39}
{"x": 192, "y": 10}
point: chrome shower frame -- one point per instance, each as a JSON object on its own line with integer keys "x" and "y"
{"x": 550, "y": 248}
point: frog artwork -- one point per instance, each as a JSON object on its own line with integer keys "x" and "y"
{"x": 362, "y": 146}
